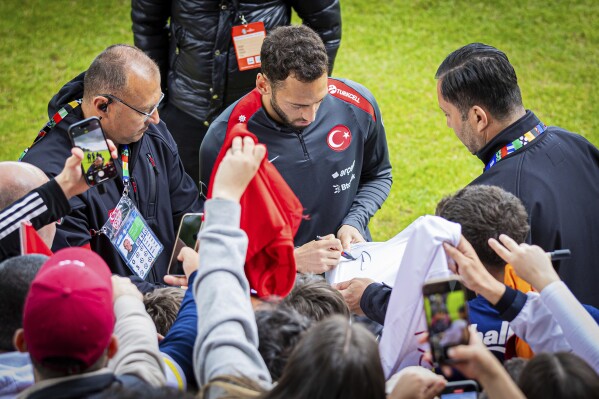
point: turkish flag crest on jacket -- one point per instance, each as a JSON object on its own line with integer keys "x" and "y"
{"x": 270, "y": 216}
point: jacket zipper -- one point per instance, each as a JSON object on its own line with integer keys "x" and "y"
{"x": 300, "y": 136}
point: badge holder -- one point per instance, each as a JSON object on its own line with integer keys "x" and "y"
{"x": 247, "y": 40}
{"x": 133, "y": 239}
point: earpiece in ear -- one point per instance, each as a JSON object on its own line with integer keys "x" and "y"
{"x": 104, "y": 107}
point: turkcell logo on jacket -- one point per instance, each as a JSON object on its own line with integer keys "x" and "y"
{"x": 492, "y": 331}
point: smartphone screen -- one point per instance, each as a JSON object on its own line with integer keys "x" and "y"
{"x": 460, "y": 395}
{"x": 446, "y": 316}
{"x": 187, "y": 236}
{"x": 466, "y": 389}
{"x": 97, "y": 163}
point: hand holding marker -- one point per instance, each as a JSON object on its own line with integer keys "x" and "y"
{"x": 343, "y": 253}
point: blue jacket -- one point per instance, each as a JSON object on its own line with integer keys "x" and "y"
{"x": 179, "y": 340}
{"x": 163, "y": 193}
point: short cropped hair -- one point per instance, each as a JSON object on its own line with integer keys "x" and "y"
{"x": 479, "y": 74}
{"x": 313, "y": 297}
{"x": 486, "y": 212}
{"x": 163, "y": 305}
{"x": 279, "y": 330}
{"x": 16, "y": 275}
{"x": 108, "y": 72}
{"x": 293, "y": 50}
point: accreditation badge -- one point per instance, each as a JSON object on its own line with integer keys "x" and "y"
{"x": 132, "y": 237}
{"x": 247, "y": 40}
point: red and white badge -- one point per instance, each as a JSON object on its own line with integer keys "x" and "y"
{"x": 247, "y": 40}
{"x": 339, "y": 138}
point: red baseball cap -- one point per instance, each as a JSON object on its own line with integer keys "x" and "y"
{"x": 68, "y": 312}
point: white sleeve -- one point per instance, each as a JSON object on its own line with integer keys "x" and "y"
{"x": 535, "y": 325}
{"x": 580, "y": 330}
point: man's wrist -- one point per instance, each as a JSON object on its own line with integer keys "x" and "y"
{"x": 492, "y": 290}
{"x": 67, "y": 188}
{"x": 546, "y": 280}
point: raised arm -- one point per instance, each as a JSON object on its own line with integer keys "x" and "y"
{"x": 532, "y": 264}
{"x": 227, "y": 340}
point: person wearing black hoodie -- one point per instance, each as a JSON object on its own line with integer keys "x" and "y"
{"x": 122, "y": 88}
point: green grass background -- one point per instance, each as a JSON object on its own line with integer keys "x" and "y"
{"x": 392, "y": 47}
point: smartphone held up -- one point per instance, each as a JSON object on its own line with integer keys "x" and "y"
{"x": 465, "y": 389}
{"x": 97, "y": 163}
{"x": 446, "y": 313}
{"x": 187, "y": 236}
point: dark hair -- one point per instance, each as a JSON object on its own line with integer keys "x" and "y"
{"x": 61, "y": 366}
{"x": 16, "y": 275}
{"x": 479, "y": 74}
{"x": 558, "y": 375}
{"x": 279, "y": 331}
{"x": 514, "y": 367}
{"x": 334, "y": 359}
{"x": 312, "y": 296}
{"x": 146, "y": 391}
{"x": 108, "y": 72}
{"x": 293, "y": 50}
{"x": 162, "y": 304}
{"x": 486, "y": 212}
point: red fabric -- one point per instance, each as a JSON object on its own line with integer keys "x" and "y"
{"x": 244, "y": 109}
{"x": 31, "y": 243}
{"x": 348, "y": 94}
{"x": 270, "y": 216}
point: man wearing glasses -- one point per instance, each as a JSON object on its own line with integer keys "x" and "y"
{"x": 121, "y": 88}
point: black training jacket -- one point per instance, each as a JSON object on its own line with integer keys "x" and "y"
{"x": 195, "y": 52}
{"x": 164, "y": 192}
{"x": 557, "y": 178}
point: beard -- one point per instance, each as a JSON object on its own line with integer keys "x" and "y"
{"x": 286, "y": 121}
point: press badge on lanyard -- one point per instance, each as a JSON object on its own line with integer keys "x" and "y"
{"x": 129, "y": 233}
{"x": 247, "y": 39}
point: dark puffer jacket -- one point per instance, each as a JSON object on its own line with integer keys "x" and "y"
{"x": 196, "y": 51}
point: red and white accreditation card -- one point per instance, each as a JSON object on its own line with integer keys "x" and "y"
{"x": 247, "y": 40}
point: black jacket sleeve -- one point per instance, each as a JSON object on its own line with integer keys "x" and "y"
{"x": 325, "y": 18}
{"x": 151, "y": 33}
{"x": 510, "y": 304}
{"x": 41, "y": 206}
{"x": 374, "y": 302}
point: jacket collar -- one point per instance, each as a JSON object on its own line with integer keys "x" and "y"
{"x": 507, "y": 135}
{"x": 74, "y": 386}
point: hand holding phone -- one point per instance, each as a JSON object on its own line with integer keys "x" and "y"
{"x": 97, "y": 164}
{"x": 187, "y": 236}
{"x": 477, "y": 362}
{"x": 446, "y": 313}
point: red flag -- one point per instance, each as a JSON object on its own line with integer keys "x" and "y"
{"x": 31, "y": 242}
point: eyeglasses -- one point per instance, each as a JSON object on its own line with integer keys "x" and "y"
{"x": 147, "y": 115}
